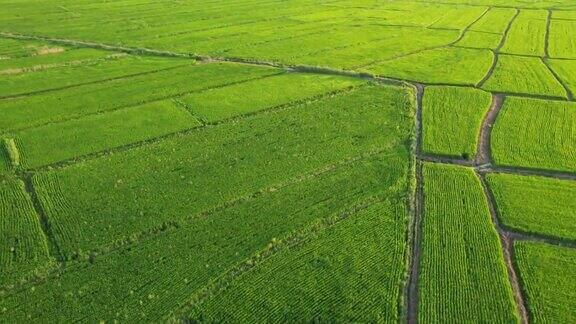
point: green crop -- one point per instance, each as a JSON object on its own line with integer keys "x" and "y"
{"x": 562, "y": 45}
{"x": 527, "y": 34}
{"x": 451, "y": 120}
{"x": 536, "y": 134}
{"x": 549, "y": 281}
{"x": 477, "y": 39}
{"x": 536, "y": 205}
{"x": 494, "y": 21}
{"x": 524, "y": 75}
{"x": 565, "y": 69}
{"x": 462, "y": 272}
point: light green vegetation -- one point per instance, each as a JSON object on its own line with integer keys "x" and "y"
{"x": 66, "y": 76}
{"x": 527, "y": 34}
{"x": 209, "y": 246}
{"x": 249, "y": 97}
{"x": 12, "y": 152}
{"x": 564, "y": 14}
{"x": 462, "y": 271}
{"x": 494, "y": 21}
{"x": 76, "y": 56}
{"x": 565, "y": 70}
{"x": 536, "y": 134}
{"x": 528, "y": 75}
{"x": 215, "y": 165}
{"x": 13, "y": 49}
{"x": 23, "y": 247}
{"x": 56, "y": 142}
{"x": 562, "y": 39}
{"x": 65, "y": 104}
{"x": 535, "y": 204}
{"x": 459, "y": 17}
{"x": 445, "y": 65}
{"x": 451, "y": 120}
{"x": 476, "y": 39}
{"x": 351, "y": 272}
{"x": 549, "y": 281}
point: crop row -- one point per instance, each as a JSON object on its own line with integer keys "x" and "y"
{"x": 147, "y": 281}
{"x": 109, "y": 198}
{"x": 462, "y": 272}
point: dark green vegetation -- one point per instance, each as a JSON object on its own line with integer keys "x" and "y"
{"x": 536, "y": 205}
{"x": 259, "y": 161}
{"x": 549, "y": 278}
{"x": 451, "y": 120}
{"x": 462, "y": 271}
{"x": 537, "y": 134}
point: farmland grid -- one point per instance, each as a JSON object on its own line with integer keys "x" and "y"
{"x": 482, "y": 163}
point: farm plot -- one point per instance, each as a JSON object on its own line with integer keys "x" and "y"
{"x": 549, "y": 279}
{"x": 451, "y": 120}
{"x": 565, "y": 70}
{"x": 96, "y": 71}
{"x": 125, "y": 286}
{"x": 13, "y": 49}
{"x": 249, "y": 97}
{"x": 523, "y": 75}
{"x": 61, "y": 141}
{"x": 536, "y": 134}
{"x": 527, "y": 34}
{"x": 475, "y": 39}
{"x": 15, "y": 114}
{"x": 459, "y": 17}
{"x": 562, "y": 39}
{"x": 535, "y": 204}
{"x": 215, "y": 165}
{"x": 452, "y": 65}
{"x": 23, "y": 246}
{"x": 462, "y": 272}
{"x": 350, "y": 272}
{"x": 72, "y": 56}
{"x": 494, "y": 21}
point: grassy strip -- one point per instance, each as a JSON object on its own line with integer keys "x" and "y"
{"x": 463, "y": 276}
{"x": 549, "y": 279}
{"x": 223, "y": 103}
{"x": 38, "y": 62}
{"x": 61, "y": 105}
{"x": 536, "y": 205}
{"x": 451, "y": 120}
{"x": 525, "y": 75}
{"x": 536, "y": 134}
{"x": 135, "y": 189}
{"x": 124, "y": 285}
{"x": 23, "y": 247}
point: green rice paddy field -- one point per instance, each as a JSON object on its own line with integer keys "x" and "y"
{"x": 299, "y": 161}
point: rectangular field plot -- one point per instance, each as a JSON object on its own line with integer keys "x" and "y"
{"x": 61, "y": 141}
{"x": 459, "y": 17}
{"x": 249, "y": 97}
{"x": 462, "y": 272}
{"x": 536, "y": 134}
{"x": 447, "y": 65}
{"x": 23, "y": 246}
{"x": 66, "y": 76}
{"x": 476, "y": 39}
{"x": 562, "y": 39}
{"x": 208, "y": 248}
{"x": 535, "y": 204}
{"x": 68, "y": 57}
{"x": 135, "y": 190}
{"x": 565, "y": 70}
{"x": 524, "y": 75}
{"x": 549, "y": 281}
{"x": 350, "y": 272}
{"x": 61, "y": 105}
{"x": 451, "y": 120}
{"x": 527, "y": 34}
{"x": 494, "y": 21}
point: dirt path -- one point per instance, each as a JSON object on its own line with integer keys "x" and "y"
{"x": 507, "y": 250}
{"x": 483, "y": 151}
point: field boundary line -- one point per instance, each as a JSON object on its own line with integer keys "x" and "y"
{"x": 141, "y": 103}
{"x": 569, "y": 95}
{"x": 53, "y": 246}
{"x": 547, "y": 34}
{"x": 44, "y": 67}
{"x": 182, "y": 105}
{"x": 542, "y": 238}
{"x": 301, "y": 236}
{"x": 506, "y": 245}
{"x": 484, "y": 148}
{"x": 155, "y": 140}
{"x": 415, "y": 224}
